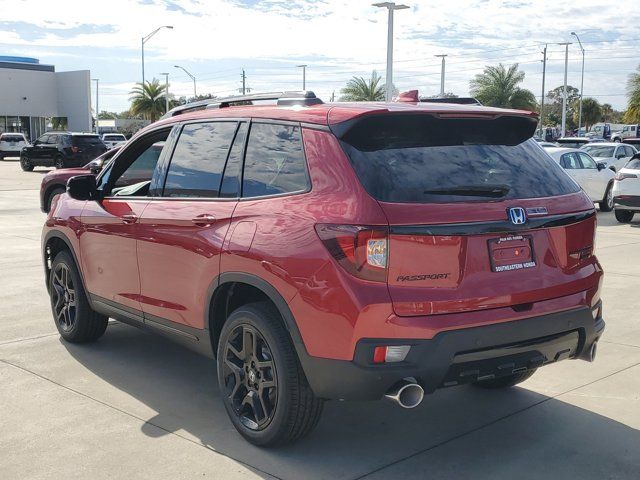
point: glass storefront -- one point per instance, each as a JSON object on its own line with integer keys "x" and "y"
{"x": 31, "y": 127}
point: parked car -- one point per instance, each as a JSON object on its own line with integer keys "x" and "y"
{"x": 547, "y": 144}
{"x": 626, "y": 191}
{"x": 605, "y": 131}
{"x": 334, "y": 251}
{"x": 112, "y": 140}
{"x": 614, "y": 155}
{"x": 575, "y": 142}
{"x": 11, "y": 144}
{"x": 628, "y": 131}
{"x": 55, "y": 182}
{"x": 594, "y": 178}
{"x": 62, "y": 150}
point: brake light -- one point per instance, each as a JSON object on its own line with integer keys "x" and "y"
{"x": 74, "y": 149}
{"x": 621, "y": 176}
{"x": 361, "y": 251}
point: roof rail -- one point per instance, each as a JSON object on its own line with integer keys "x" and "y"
{"x": 305, "y": 98}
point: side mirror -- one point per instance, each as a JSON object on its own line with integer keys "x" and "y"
{"x": 601, "y": 166}
{"x": 82, "y": 187}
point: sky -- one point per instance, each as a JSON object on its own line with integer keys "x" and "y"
{"x": 338, "y": 39}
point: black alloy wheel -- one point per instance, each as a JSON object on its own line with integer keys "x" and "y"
{"x": 63, "y": 297}
{"x": 59, "y": 161}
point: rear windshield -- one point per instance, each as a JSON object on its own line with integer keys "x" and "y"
{"x": 116, "y": 138}
{"x": 11, "y": 138}
{"x": 596, "y": 151}
{"x": 423, "y": 159}
{"x": 86, "y": 140}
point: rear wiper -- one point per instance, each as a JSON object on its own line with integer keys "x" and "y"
{"x": 492, "y": 191}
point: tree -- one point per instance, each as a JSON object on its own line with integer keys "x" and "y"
{"x": 607, "y": 112}
{"x": 104, "y": 115}
{"x": 553, "y": 108}
{"x": 632, "y": 115}
{"x": 148, "y": 100}
{"x": 591, "y": 112}
{"x": 360, "y": 89}
{"x": 446, "y": 95}
{"x": 498, "y": 87}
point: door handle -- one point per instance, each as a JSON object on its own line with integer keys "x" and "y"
{"x": 129, "y": 218}
{"x": 204, "y": 220}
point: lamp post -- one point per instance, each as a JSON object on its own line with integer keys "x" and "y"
{"x": 192, "y": 78}
{"x": 166, "y": 91}
{"x": 391, "y": 7}
{"x": 441, "y": 75}
{"x": 97, "y": 80}
{"x": 581, "y": 82}
{"x": 145, "y": 39}
{"x": 304, "y": 76}
{"x": 564, "y": 93}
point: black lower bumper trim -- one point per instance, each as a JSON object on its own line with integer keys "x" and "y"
{"x": 627, "y": 201}
{"x": 458, "y": 356}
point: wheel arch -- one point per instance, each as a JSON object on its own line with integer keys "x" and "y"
{"x": 53, "y": 243}
{"x": 47, "y": 193}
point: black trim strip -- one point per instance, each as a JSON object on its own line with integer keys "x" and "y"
{"x": 498, "y": 226}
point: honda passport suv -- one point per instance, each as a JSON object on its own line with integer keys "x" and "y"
{"x": 344, "y": 251}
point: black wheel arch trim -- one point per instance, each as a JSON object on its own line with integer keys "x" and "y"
{"x": 60, "y": 236}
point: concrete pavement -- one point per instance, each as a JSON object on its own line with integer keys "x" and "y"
{"x": 135, "y": 405}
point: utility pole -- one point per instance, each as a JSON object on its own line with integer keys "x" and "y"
{"x": 564, "y": 93}
{"x": 244, "y": 82}
{"x": 144, "y": 40}
{"x": 441, "y": 75}
{"x": 333, "y": 96}
{"x": 304, "y": 76}
{"x": 581, "y": 82}
{"x": 544, "y": 71}
{"x": 97, "y": 80}
{"x": 166, "y": 91}
{"x": 195, "y": 94}
{"x": 390, "y": 6}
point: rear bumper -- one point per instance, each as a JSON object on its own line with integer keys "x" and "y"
{"x": 627, "y": 201}
{"x": 459, "y": 356}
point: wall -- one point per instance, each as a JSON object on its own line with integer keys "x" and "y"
{"x": 39, "y": 88}
{"x": 74, "y": 99}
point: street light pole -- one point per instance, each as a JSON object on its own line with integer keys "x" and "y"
{"x": 97, "y": 80}
{"x": 544, "y": 72}
{"x": 192, "y": 78}
{"x": 581, "y": 82}
{"x": 441, "y": 75}
{"x": 390, "y": 6}
{"x": 304, "y": 76}
{"x": 564, "y": 94}
{"x": 166, "y": 91}
{"x": 144, "y": 40}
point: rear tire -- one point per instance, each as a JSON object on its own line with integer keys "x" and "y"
{"x": 72, "y": 314}
{"x": 58, "y": 161}
{"x": 606, "y": 205}
{"x": 26, "y": 164}
{"x": 624, "y": 216}
{"x": 505, "y": 382}
{"x": 53, "y": 193}
{"x": 262, "y": 384}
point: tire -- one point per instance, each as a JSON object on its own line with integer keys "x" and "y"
{"x": 58, "y": 161}
{"x": 508, "y": 381}
{"x": 606, "y": 205}
{"x": 26, "y": 164}
{"x": 53, "y": 193}
{"x": 72, "y": 314}
{"x": 617, "y": 140}
{"x": 624, "y": 216}
{"x": 265, "y": 393}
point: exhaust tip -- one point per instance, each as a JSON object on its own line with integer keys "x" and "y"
{"x": 407, "y": 394}
{"x": 592, "y": 351}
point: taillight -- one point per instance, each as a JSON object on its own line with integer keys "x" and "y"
{"x": 362, "y": 251}
{"x": 74, "y": 149}
{"x": 621, "y": 176}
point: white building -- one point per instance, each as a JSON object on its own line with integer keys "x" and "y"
{"x": 35, "y": 98}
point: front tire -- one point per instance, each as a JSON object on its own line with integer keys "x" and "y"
{"x": 72, "y": 314}
{"x": 606, "y": 205}
{"x": 262, "y": 384}
{"x": 624, "y": 216}
{"x": 25, "y": 164}
{"x": 507, "y": 381}
{"x": 52, "y": 194}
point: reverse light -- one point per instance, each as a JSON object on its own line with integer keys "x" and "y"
{"x": 621, "y": 176}
{"x": 390, "y": 353}
{"x": 362, "y": 251}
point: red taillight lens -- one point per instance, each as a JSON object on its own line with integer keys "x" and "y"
{"x": 74, "y": 149}
{"x": 361, "y": 251}
{"x": 621, "y": 176}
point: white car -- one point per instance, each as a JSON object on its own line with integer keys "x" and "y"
{"x": 595, "y": 179}
{"x": 113, "y": 139}
{"x": 11, "y": 144}
{"x": 626, "y": 191}
{"x": 614, "y": 154}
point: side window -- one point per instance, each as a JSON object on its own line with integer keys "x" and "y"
{"x": 141, "y": 170}
{"x": 274, "y": 162}
{"x": 628, "y": 151}
{"x": 198, "y": 160}
{"x": 588, "y": 162}
{"x": 231, "y": 179}
{"x": 570, "y": 161}
{"x": 53, "y": 139}
{"x": 43, "y": 139}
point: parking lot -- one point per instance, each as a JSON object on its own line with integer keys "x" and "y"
{"x": 135, "y": 405}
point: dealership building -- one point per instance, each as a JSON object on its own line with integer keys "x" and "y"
{"x": 35, "y": 98}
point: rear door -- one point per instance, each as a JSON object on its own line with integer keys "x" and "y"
{"x": 597, "y": 181}
{"x": 470, "y": 204}
{"x": 184, "y": 227}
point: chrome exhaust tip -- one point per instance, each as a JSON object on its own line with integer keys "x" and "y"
{"x": 592, "y": 351}
{"x": 406, "y": 393}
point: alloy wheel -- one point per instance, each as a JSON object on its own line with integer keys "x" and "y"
{"x": 59, "y": 162}
{"x": 63, "y": 297}
{"x": 609, "y": 198}
{"x": 250, "y": 380}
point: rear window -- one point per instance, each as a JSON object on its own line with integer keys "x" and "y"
{"x": 599, "y": 151}
{"x": 11, "y": 138}
{"x": 85, "y": 140}
{"x": 114, "y": 138}
{"x": 423, "y": 159}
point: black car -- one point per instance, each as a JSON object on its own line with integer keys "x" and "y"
{"x": 62, "y": 150}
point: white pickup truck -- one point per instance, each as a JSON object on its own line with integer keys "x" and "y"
{"x": 113, "y": 139}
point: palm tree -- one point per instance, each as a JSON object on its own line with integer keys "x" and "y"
{"x": 148, "y": 100}
{"x": 591, "y": 112}
{"x": 632, "y": 115}
{"x": 360, "y": 89}
{"x": 607, "y": 112}
{"x": 498, "y": 87}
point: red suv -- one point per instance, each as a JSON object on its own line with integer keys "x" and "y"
{"x": 333, "y": 251}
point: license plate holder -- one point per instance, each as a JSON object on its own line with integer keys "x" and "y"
{"x": 511, "y": 252}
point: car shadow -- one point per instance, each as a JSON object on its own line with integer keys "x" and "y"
{"x": 355, "y": 438}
